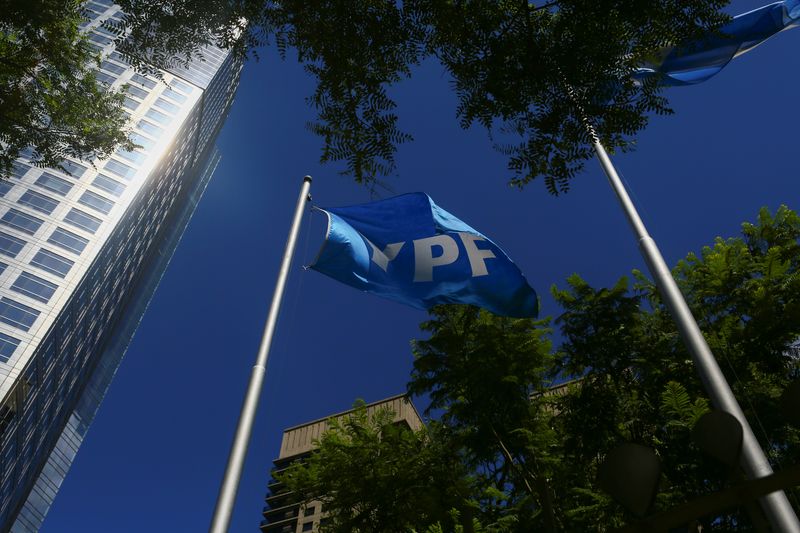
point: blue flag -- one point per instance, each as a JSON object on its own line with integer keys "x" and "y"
{"x": 410, "y": 250}
{"x": 698, "y": 61}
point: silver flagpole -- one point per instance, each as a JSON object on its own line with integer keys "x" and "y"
{"x": 776, "y": 506}
{"x": 230, "y": 482}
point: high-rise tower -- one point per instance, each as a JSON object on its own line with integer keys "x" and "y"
{"x": 81, "y": 254}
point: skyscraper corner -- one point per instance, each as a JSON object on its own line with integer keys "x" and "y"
{"x": 81, "y": 254}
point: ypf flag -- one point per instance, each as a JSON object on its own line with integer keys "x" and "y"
{"x": 410, "y": 250}
{"x": 697, "y": 61}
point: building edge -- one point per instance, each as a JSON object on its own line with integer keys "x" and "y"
{"x": 141, "y": 295}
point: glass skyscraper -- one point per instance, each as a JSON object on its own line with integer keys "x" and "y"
{"x": 81, "y": 253}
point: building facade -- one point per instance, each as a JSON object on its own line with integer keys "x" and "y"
{"x": 81, "y": 253}
{"x": 282, "y": 512}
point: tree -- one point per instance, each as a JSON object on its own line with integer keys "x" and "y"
{"x": 481, "y": 371}
{"x": 372, "y": 475}
{"x": 639, "y": 383}
{"x": 529, "y": 456}
{"x": 531, "y": 74}
{"x": 50, "y": 99}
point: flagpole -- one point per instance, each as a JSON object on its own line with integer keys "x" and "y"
{"x": 776, "y": 505}
{"x": 233, "y": 471}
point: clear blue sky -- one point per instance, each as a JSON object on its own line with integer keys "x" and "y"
{"x": 155, "y": 455}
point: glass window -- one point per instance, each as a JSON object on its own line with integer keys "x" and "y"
{"x": 169, "y": 107}
{"x": 181, "y": 86}
{"x": 21, "y": 221}
{"x": 132, "y": 156}
{"x": 68, "y": 240}
{"x": 112, "y": 67}
{"x": 5, "y": 186}
{"x": 118, "y": 18}
{"x": 3, "y": 267}
{"x": 102, "y": 77}
{"x": 107, "y": 184}
{"x": 150, "y": 128}
{"x": 136, "y": 91}
{"x": 173, "y": 95}
{"x": 142, "y": 141}
{"x": 95, "y": 201}
{"x": 19, "y": 169}
{"x": 73, "y": 169}
{"x": 51, "y": 262}
{"x": 158, "y": 116}
{"x": 29, "y": 153}
{"x": 34, "y": 287}
{"x": 88, "y": 9}
{"x": 120, "y": 169}
{"x": 39, "y": 202}
{"x": 10, "y": 245}
{"x": 54, "y": 184}
{"x": 308, "y": 526}
{"x": 85, "y": 221}
{"x": 130, "y": 103}
{"x": 16, "y": 314}
{"x": 100, "y": 29}
{"x": 99, "y": 39}
{"x": 7, "y": 346}
{"x": 141, "y": 80}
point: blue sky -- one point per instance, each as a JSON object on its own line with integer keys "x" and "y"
{"x": 155, "y": 455}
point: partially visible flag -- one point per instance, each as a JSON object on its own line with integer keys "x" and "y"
{"x": 410, "y": 250}
{"x": 700, "y": 60}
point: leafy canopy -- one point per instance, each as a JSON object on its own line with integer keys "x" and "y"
{"x": 531, "y": 74}
{"x": 372, "y": 475}
{"x": 639, "y": 384}
{"x": 509, "y": 454}
{"x": 49, "y": 97}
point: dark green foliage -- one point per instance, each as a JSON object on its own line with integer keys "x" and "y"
{"x": 354, "y": 49}
{"x": 160, "y": 34}
{"x": 514, "y": 64}
{"x": 525, "y": 459}
{"x": 49, "y": 97}
{"x": 639, "y": 382}
{"x": 375, "y": 476}
{"x": 481, "y": 372}
{"x": 531, "y": 74}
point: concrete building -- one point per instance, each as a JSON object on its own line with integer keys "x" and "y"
{"x": 282, "y": 513}
{"x": 81, "y": 253}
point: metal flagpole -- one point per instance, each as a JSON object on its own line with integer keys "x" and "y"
{"x": 776, "y": 506}
{"x": 233, "y": 471}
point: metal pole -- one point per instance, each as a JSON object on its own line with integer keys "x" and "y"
{"x": 776, "y": 506}
{"x": 233, "y": 471}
